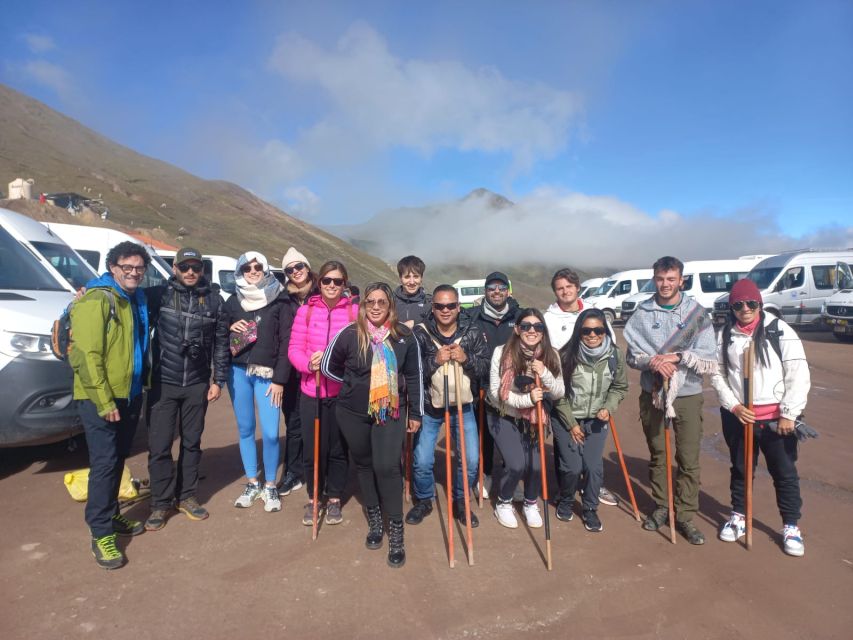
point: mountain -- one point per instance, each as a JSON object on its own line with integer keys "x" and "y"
{"x": 154, "y": 197}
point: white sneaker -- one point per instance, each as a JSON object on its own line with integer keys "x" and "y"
{"x": 271, "y": 500}
{"x": 487, "y": 482}
{"x": 505, "y": 514}
{"x": 734, "y": 529}
{"x": 532, "y": 515}
{"x": 251, "y": 493}
{"x": 793, "y": 541}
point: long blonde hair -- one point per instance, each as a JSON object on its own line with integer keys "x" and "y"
{"x": 396, "y": 328}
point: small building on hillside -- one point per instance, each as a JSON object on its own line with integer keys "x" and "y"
{"x": 21, "y": 189}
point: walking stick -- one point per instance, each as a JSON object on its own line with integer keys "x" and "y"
{"x": 408, "y": 464}
{"x": 482, "y": 411}
{"x": 540, "y": 418}
{"x": 667, "y": 427}
{"x": 457, "y": 378}
{"x": 748, "y": 363}
{"x": 624, "y": 468}
{"x": 448, "y": 447}
{"x": 315, "y": 512}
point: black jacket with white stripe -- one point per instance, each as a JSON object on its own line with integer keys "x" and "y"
{"x": 343, "y": 361}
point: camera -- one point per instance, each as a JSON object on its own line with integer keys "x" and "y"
{"x": 192, "y": 349}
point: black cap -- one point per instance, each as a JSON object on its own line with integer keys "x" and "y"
{"x": 186, "y": 254}
{"x": 497, "y": 275}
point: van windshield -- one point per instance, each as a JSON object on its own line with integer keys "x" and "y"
{"x": 69, "y": 264}
{"x": 20, "y": 270}
{"x": 764, "y": 277}
{"x": 649, "y": 287}
{"x": 227, "y": 282}
{"x": 604, "y": 288}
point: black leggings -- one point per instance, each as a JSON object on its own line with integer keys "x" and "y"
{"x": 520, "y": 451}
{"x": 334, "y": 461}
{"x": 376, "y": 451}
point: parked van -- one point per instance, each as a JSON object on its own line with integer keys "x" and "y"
{"x": 838, "y": 308}
{"x": 39, "y": 275}
{"x": 704, "y": 280}
{"x": 471, "y": 291}
{"x": 793, "y": 285}
{"x": 617, "y": 288}
{"x": 588, "y": 287}
{"x": 93, "y": 243}
{"x": 217, "y": 269}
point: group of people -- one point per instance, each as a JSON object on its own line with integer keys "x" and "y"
{"x": 359, "y": 371}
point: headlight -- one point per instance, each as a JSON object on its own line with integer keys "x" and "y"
{"x": 25, "y": 345}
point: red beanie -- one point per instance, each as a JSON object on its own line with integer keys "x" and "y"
{"x": 745, "y": 289}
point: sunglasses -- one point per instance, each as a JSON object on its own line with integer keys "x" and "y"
{"x": 740, "y": 304}
{"x": 338, "y": 282}
{"x": 379, "y": 303}
{"x": 497, "y": 287}
{"x": 450, "y": 306}
{"x": 299, "y": 266}
{"x": 588, "y": 331}
{"x": 194, "y": 267}
{"x": 127, "y": 269}
{"x": 538, "y": 327}
{"x": 246, "y": 268}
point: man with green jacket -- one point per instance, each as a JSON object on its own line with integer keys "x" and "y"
{"x": 109, "y": 331}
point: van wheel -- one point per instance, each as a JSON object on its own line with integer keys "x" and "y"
{"x": 844, "y": 337}
{"x": 609, "y": 316}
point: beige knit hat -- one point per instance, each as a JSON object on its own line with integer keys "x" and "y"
{"x": 293, "y": 255}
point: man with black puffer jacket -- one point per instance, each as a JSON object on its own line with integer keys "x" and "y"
{"x": 190, "y": 338}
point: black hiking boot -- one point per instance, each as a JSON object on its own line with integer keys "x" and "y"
{"x": 374, "y": 528}
{"x": 396, "y": 551}
{"x": 420, "y": 511}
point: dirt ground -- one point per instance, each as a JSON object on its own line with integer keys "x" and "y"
{"x": 247, "y": 573}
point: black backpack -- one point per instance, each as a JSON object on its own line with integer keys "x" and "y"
{"x": 60, "y": 334}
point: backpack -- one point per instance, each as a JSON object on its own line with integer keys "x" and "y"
{"x": 436, "y": 383}
{"x": 60, "y": 334}
{"x": 773, "y": 334}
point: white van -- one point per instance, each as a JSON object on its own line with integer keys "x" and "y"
{"x": 93, "y": 243}
{"x": 615, "y": 289}
{"x": 471, "y": 291}
{"x": 704, "y": 280}
{"x": 217, "y": 269}
{"x": 837, "y": 309}
{"x": 793, "y": 285}
{"x": 588, "y": 287}
{"x": 38, "y": 277}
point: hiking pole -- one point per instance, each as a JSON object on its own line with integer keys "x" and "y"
{"x": 315, "y": 512}
{"x": 748, "y": 363}
{"x": 408, "y": 464}
{"x": 624, "y": 468}
{"x": 457, "y": 379}
{"x": 482, "y": 425}
{"x": 540, "y": 418}
{"x": 667, "y": 427}
{"x": 447, "y": 446}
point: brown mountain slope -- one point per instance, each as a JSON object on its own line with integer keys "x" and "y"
{"x": 218, "y": 217}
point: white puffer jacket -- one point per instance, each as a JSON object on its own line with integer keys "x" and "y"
{"x": 786, "y": 381}
{"x": 554, "y": 388}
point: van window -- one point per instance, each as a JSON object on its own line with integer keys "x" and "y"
{"x": 153, "y": 278}
{"x": 227, "y": 282}
{"x": 642, "y": 282}
{"x": 719, "y": 282}
{"x": 66, "y": 262}
{"x": 823, "y": 276}
{"x": 208, "y": 269}
{"x": 649, "y": 287}
{"x": 20, "y": 270}
{"x": 793, "y": 278}
{"x": 92, "y": 257}
{"x": 763, "y": 277}
{"x": 472, "y": 291}
{"x": 621, "y": 289}
{"x": 687, "y": 285}
{"x": 604, "y": 288}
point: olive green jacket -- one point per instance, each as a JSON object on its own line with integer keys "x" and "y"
{"x": 592, "y": 388}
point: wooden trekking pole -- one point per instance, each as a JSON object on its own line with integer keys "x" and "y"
{"x": 624, "y": 468}
{"x": 315, "y": 506}
{"x": 748, "y": 364}
{"x": 448, "y": 447}
{"x": 540, "y": 419}
{"x": 667, "y": 428}
{"x": 460, "y": 421}
{"x": 482, "y": 424}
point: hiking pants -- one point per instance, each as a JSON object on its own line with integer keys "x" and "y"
{"x": 334, "y": 460}
{"x": 520, "y": 451}
{"x": 581, "y": 466}
{"x": 293, "y": 428}
{"x": 247, "y": 391}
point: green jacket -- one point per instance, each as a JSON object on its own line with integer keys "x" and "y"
{"x": 102, "y": 349}
{"x": 593, "y": 388}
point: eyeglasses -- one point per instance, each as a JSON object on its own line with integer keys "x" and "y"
{"x": 450, "y": 306}
{"x": 538, "y": 327}
{"x": 588, "y": 331}
{"x": 338, "y": 282}
{"x": 194, "y": 267}
{"x": 246, "y": 268}
{"x": 127, "y": 269}
{"x": 299, "y": 266}
{"x": 497, "y": 287}
{"x": 752, "y": 304}
{"x": 380, "y": 303}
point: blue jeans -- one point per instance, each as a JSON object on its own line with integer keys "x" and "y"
{"x": 424, "y": 452}
{"x": 245, "y": 392}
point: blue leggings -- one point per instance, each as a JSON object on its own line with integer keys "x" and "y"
{"x": 245, "y": 392}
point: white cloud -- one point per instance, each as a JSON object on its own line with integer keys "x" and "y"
{"x": 39, "y": 43}
{"x": 52, "y": 76}
{"x": 301, "y": 201}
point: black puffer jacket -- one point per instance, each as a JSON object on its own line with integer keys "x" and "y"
{"x": 476, "y": 366}
{"x": 412, "y": 307}
{"x": 495, "y": 333}
{"x": 194, "y": 316}
{"x": 274, "y": 323}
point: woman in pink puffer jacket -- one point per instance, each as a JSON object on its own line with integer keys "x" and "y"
{"x": 316, "y": 323}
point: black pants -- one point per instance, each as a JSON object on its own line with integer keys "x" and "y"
{"x": 376, "y": 450}
{"x": 109, "y": 444}
{"x": 520, "y": 451}
{"x": 580, "y": 466}
{"x": 780, "y": 453}
{"x": 293, "y": 428}
{"x": 488, "y": 440}
{"x": 175, "y": 410}
{"x": 333, "y": 449}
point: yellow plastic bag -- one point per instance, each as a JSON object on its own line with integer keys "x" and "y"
{"x": 77, "y": 483}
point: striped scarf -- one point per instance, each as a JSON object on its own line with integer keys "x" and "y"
{"x": 508, "y": 376}
{"x": 384, "y": 396}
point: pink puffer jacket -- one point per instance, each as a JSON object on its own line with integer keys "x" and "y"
{"x": 313, "y": 329}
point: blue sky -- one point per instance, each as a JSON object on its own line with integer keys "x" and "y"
{"x": 338, "y": 110}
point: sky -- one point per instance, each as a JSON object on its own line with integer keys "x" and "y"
{"x": 675, "y": 115}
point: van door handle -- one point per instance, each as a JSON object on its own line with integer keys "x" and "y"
{"x": 803, "y": 293}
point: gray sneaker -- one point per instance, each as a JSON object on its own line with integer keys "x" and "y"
{"x": 605, "y": 497}
{"x": 271, "y": 500}
{"x": 333, "y": 512}
{"x": 251, "y": 492}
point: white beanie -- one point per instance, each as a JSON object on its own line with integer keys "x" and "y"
{"x": 293, "y": 255}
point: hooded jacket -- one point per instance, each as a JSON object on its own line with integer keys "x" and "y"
{"x": 593, "y": 387}
{"x": 561, "y": 324}
{"x": 414, "y": 307}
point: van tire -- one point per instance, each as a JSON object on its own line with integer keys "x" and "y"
{"x": 609, "y": 316}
